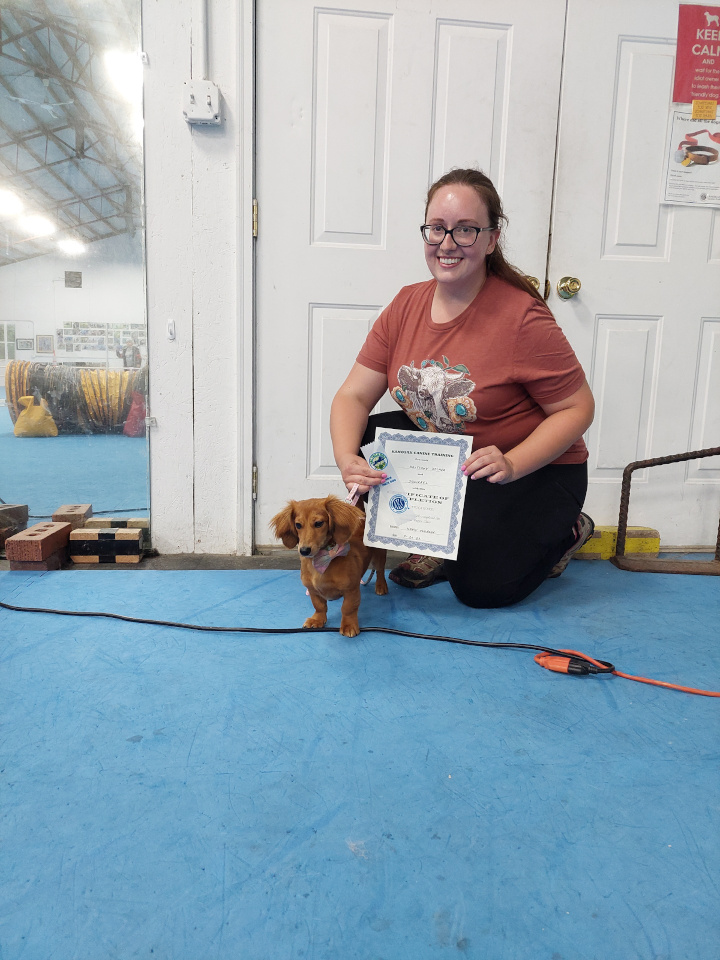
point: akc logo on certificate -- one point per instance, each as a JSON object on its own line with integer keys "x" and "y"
{"x": 399, "y": 503}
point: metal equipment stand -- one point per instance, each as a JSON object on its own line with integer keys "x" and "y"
{"x": 656, "y": 565}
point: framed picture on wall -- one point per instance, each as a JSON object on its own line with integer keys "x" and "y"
{"x": 44, "y": 343}
{"x": 24, "y": 344}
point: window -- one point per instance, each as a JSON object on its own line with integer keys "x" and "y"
{"x": 7, "y": 341}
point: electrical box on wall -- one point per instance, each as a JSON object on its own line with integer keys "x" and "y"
{"x": 201, "y": 102}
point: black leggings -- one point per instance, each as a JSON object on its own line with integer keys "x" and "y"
{"x": 512, "y": 534}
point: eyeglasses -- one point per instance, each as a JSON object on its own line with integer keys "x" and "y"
{"x": 463, "y": 235}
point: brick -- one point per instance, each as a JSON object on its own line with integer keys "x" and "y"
{"x": 129, "y": 523}
{"x": 54, "y": 562}
{"x": 13, "y": 519}
{"x": 642, "y": 542}
{"x": 37, "y": 542}
{"x": 600, "y": 546}
{"x": 73, "y": 513}
{"x": 639, "y": 542}
{"x": 105, "y": 545}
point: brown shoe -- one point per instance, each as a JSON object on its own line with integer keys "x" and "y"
{"x": 584, "y": 529}
{"x": 418, "y": 571}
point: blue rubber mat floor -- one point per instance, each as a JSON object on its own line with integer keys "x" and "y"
{"x": 181, "y": 795}
{"x": 110, "y": 471}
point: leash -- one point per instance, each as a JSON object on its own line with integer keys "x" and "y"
{"x": 352, "y": 498}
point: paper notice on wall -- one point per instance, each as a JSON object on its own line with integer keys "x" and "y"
{"x": 697, "y": 60}
{"x": 692, "y": 168}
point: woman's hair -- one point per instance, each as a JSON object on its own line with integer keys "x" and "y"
{"x": 497, "y": 265}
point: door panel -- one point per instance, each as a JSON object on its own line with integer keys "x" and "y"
{"x": 645, "y": 320}
{"x": 359, "y": 108}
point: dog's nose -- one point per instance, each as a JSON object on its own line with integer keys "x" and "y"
{"x": 304, "y": 551}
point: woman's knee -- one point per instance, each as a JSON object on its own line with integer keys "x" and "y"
{"x": 484, "y": 594}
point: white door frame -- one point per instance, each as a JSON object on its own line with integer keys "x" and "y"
{"x": 246, "y": 284}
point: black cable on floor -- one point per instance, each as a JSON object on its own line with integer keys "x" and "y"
{"x": 592, "y": 664}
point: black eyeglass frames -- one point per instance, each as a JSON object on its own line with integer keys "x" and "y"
{"x": 463, "y": 235}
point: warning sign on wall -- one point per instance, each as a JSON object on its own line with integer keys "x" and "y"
{"x": 697, "y": 65}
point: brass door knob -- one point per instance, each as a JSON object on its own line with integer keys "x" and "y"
{"x": 568, "y": 286}
{"x": 536, "y": 283}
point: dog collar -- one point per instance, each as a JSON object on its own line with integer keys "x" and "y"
{"x": 321, "y": 560}
{"x": 689, "y": 151}
{"x": 700, "y": 155}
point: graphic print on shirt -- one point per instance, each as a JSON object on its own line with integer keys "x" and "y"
{"x": 437, "y": 396}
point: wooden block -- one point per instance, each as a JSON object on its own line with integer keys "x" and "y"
{"x": 73, "y": 513}
{"x": 105, "y": 545}
{"x": 642, "y": 542}
{"x": 128, "y": 523}
{"x": 54, "y": 562}
{"x": 600, "y": 546}
{"x": 37, "y": 542}
{"x": 639, "y": 541}
{"x": 13, "y": 519}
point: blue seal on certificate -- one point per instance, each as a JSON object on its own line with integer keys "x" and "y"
{"x": 378, "y": 460}
{"x": 399, "y": 503}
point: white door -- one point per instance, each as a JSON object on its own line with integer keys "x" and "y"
{"x": 646, "y": 323}
{"x": 359, "y": 109}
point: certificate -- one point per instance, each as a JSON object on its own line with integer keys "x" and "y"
{"x": 419, "y": 507}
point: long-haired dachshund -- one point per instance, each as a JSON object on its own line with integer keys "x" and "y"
{"x": 328, "y": 534}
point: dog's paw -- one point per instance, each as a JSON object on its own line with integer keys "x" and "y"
{"x": 381, "y": 588}
{"x": 349, "y": 628}
{"x": 314, "y": 623}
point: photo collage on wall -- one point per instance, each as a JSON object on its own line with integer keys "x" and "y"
{"x": 80, "y": 337}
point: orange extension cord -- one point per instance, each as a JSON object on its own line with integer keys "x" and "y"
{"x": 581, "y": 667}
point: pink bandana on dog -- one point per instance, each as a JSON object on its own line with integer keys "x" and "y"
{"x": 321, "y": 560}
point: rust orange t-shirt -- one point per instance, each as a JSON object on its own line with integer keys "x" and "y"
{"x": 485, "y": 373}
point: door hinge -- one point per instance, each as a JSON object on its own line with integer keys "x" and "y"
{"x": 254, "y": 482}
{"x": 255, "y": 218}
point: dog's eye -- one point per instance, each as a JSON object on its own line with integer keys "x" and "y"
{"x": 298, "y": 526}
{"x": 319, "y": 523}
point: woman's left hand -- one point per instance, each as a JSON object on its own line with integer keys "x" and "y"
{"x": 489, "y": 463}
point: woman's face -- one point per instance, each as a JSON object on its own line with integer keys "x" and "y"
{"x": 461, "y": 268}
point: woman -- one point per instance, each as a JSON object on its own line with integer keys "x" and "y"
{"x": 475, "y": 350}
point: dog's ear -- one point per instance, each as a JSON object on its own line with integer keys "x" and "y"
{"x": 343, "y": 518}
{"x": 283, "y": 526}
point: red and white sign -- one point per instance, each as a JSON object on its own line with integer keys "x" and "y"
{"x": 697, "y": 65}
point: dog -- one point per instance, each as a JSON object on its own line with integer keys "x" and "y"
{"x": 328, "y": 534}
{"x": 711, "y": 18}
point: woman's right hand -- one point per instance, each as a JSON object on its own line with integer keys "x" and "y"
{"x": 356, "y": 470}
